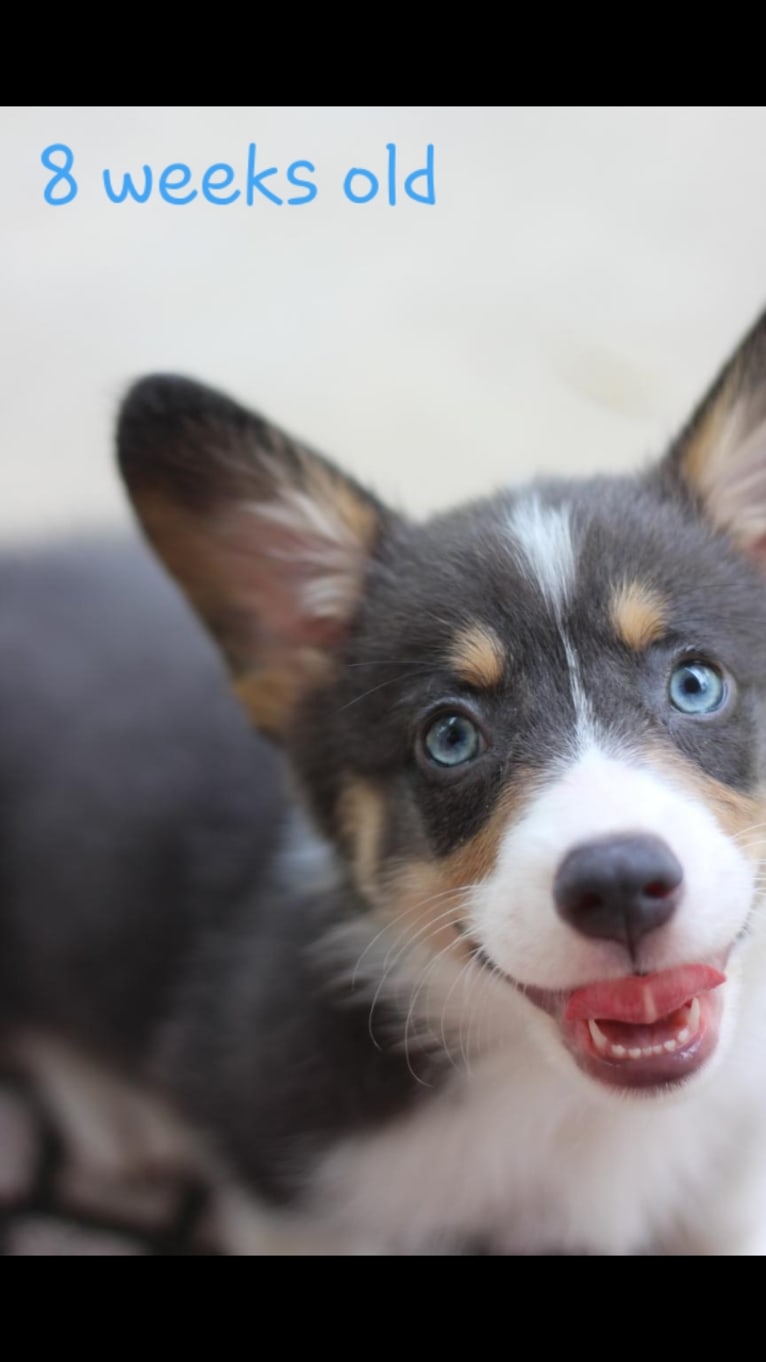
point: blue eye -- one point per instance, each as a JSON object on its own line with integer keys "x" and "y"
{"x": 696, "y": 688}
{"x": 452, "y": 740}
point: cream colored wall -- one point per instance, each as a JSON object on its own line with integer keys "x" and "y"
{"x": 580, "y": 277}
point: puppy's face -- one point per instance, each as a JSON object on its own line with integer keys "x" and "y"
{"x": 534, "y": 727}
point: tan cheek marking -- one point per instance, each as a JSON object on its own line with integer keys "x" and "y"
{"x": 478, "y": 657}
{"x": 362, "y": 816}
{"x": 419, "y": 904}
{"x": 639, "y": 614}
{"x": 423, "y": 899}
{"x": 476, "y": 859}
{"x": 740, "y": 816}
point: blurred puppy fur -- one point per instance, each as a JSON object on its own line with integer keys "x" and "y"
{"x": 467, "y": 952}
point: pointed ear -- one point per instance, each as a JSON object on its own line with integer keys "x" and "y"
{"x": 720, "y": 458}
{"x": 269, "y": 541}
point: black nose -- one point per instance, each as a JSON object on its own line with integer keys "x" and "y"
{"x": 618, "y": 887}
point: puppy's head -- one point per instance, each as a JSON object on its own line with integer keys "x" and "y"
{"x": 534, "y": 727}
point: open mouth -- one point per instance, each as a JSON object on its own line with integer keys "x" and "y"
{"x": 645, "y": 1030}
{"x": 640, "y": 1031}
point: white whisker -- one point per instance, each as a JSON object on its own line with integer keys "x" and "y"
{"x": 411, "y": 940}
{"x": 414, "y": 997}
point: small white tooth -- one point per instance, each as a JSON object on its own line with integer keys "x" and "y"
{"x": 619, "y": 1051}
{"x": 597, "y": 1036}
{"x": 669, "y": 1045}
{"x": 635, "y": 1054}
{"x": 682, "y": 1036}
{"x": 657, "y": 1050}
{"x": 694, "y": 1016}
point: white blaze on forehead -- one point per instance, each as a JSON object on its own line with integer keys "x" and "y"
{"x": 543, "y": 543}
{"x": 542, "y": 537}
{"x": 586, "y": 727}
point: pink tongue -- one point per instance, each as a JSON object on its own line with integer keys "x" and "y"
{"x": 643, "y": 999}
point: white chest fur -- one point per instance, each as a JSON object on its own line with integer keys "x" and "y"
{"x": 525, "y": 1166}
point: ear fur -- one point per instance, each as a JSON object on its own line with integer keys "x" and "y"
{"x": 270, "y": 542}
{"x": 720, "y": 457}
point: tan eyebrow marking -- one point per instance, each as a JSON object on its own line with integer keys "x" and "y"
{"x": 638, "y": 613}
{"x": 427, "y": 898}
{"x": 477, "y": 656}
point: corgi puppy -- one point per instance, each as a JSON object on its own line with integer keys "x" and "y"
{"x": 467, "y": 952}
